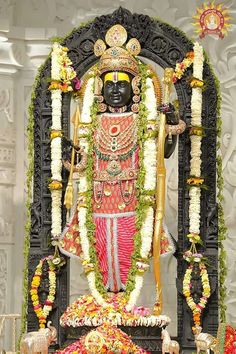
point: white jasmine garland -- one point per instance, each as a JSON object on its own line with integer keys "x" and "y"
{"x": 84, "y": 241}
{"x": 150, "y": 100}
{"x": 135, "y": 292}
{"x": 198, "y": 61}
{"x": 115, "y": 319}
{"x": 147, "y": 233}
{"x": 83, "y": 187}
{"x": 61, "y": 73}
{"x": 196, "y": 106}
{"x": 196, "y": 100}
{"x": 83, "y": 232}
{"x": 56, "y": 109}
{"x": 83, "y": 184}
{"x": 194, "y": 210}
{"x": 150, "y": 163}
{"x": 56, "y": 163}
{"x": 195, "y": 162}
{"x": 55, "y": 66}
{"x": 56, "y": 212}
{"x": 94, "y": 291}
{"x": 195, "y": 153}
{"x": 88, "y": 101}
{"x": 85, "y": 245}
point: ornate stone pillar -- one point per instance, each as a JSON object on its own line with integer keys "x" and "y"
{"x": 8, "y": 68}
{"x": 7, "y": 182}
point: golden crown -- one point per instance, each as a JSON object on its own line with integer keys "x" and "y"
{"x": 117, "y": 58}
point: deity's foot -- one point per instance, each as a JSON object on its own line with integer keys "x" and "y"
{"x": 85, "y": 311}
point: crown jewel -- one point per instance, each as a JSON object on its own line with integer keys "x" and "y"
{"x": 117, "y": 58}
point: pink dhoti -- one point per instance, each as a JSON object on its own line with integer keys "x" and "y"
{"x": 114, "y": 246}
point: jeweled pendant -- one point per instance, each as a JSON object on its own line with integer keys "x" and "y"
{"x": 107, "y": 192}
{"x": 113, "y": 168}
{"x": 121, "y": 206}
{"x": 114, "y": 130}
{"x": 98, "y": 206}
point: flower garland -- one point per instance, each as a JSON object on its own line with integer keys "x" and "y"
{"x": 42, "y": 312}
{"x": 85, "y": 219}
{"x": 62, "y": 73}
{"x": 195, "y": 181}
{"x": 112, "y": 339}
{"x": 85, "y": 311}
{"x": 180, "y": 68}
{"x": 145, "y": 185}
{"x": 199, "y": 307}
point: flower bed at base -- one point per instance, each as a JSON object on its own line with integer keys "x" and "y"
{"x": 85, "y": 311}
{"x": 106, "y": 339}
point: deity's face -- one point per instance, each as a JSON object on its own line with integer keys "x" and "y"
{"x": 117, "y": 89}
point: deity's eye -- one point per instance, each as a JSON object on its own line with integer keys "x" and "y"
{"x": 122, "y": 83}
{"x": 109, "y": 83}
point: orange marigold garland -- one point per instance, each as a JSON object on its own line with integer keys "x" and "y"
{"x": 180, "y": 68}
{"x": 42, "y": 311}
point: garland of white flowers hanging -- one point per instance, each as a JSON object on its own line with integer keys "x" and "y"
{"x": 147, "y": 115}
{"x": 195, "y": 182}
{"x": 61, "y": 75}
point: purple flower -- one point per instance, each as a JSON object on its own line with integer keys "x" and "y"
{"x": 198, "y": 255}
{"x": 77, "y": 83}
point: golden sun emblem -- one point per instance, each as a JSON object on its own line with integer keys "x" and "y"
{"x": 94, "y": 342}
{"x": 212, "y": 19}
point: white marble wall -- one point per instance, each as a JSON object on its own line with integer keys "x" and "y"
{"x": 25, "y": 27}
{"x": 7, "y": 182}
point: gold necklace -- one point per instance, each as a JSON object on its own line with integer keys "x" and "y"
{"x": 113, "y": 140}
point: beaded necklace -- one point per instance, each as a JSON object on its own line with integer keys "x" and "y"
{"x": 113, "y": 140}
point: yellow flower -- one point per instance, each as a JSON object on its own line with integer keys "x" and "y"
{"x": 55, "y": 134}
{"x": 196, "y": 82}
{"x": 55, "y": 185}
{"x": 33, "y": 291}
{"x": 34, "y": 297}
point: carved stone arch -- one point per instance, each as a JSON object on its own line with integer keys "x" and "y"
{"x": 164, "y": 45}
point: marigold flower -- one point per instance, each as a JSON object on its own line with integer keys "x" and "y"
{"x": 42, "y": 312}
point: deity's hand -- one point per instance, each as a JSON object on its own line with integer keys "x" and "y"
{"x": 172, "y": 120}
{"x": 172, "y": 115}
{"x": 80, "y": 160}
{"x": 67, "y": 145}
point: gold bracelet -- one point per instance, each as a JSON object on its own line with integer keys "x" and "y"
{"x": 176, "y": 129}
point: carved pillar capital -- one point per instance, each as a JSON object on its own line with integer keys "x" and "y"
{"x": 12, "y": 52}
